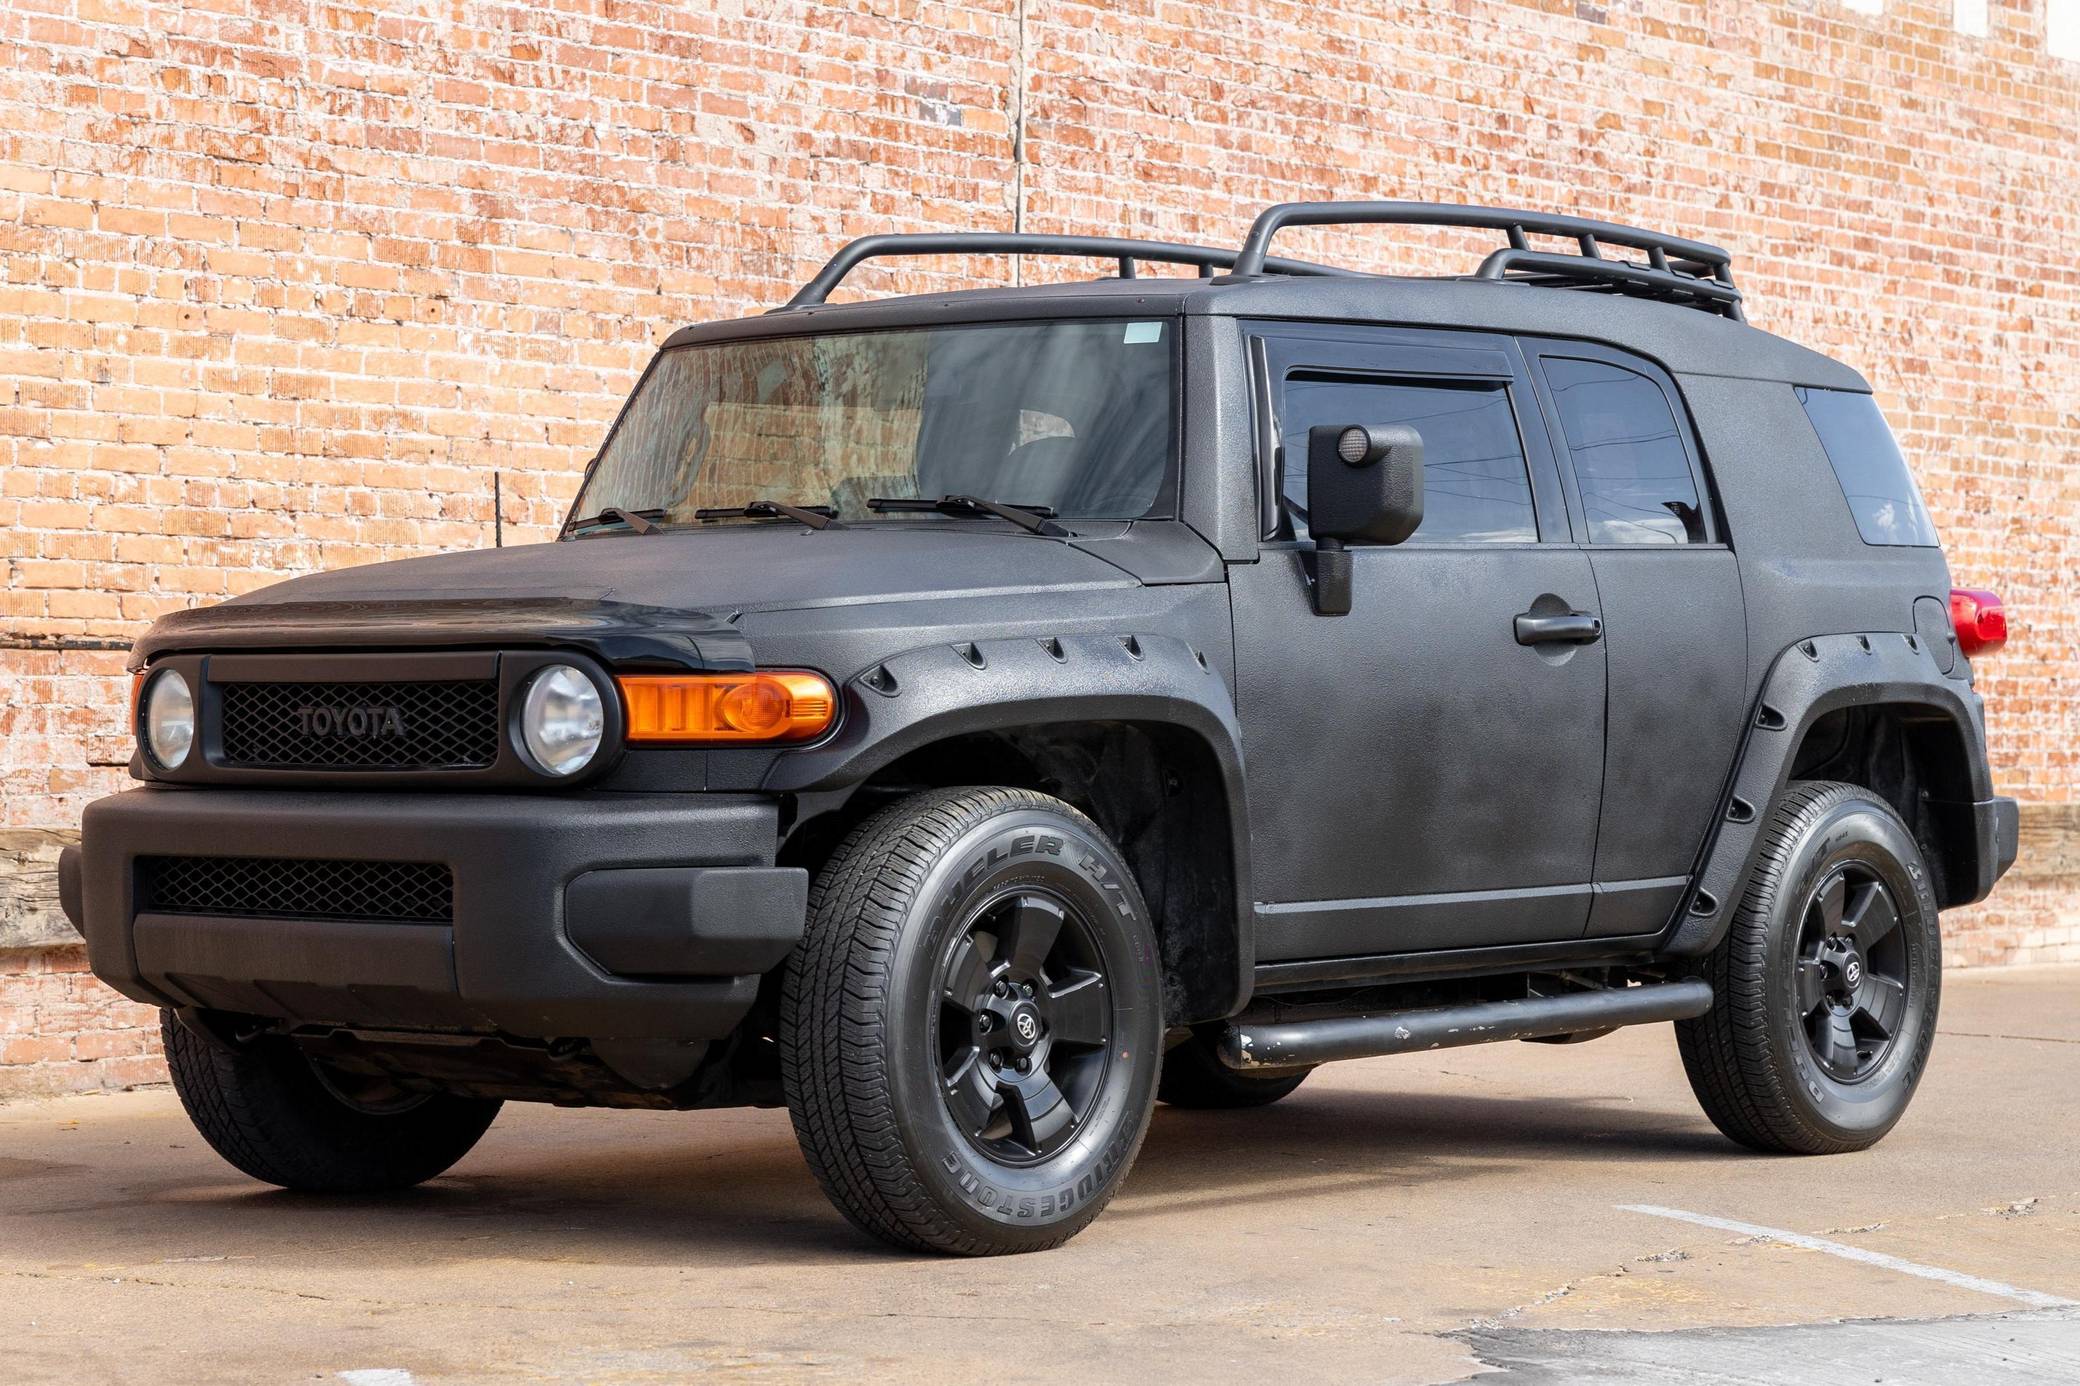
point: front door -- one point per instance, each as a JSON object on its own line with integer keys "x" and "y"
{"x": 1425, "y": 772}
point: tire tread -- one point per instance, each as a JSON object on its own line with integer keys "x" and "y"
{"x": 1729, "y": 1054}
{"x": 833, "y": 1005}
{"x": 267, "y": 1114}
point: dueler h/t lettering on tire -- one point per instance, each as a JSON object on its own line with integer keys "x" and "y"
{"x": 971, "y": 1029}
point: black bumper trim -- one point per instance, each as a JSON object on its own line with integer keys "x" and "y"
{"x": 1999, "y": 822}
{"x": 412, "y": 957}
{"x": 69, "y": 878}
{"x": 688, "y": 921}
{"x": 507, "y": 964}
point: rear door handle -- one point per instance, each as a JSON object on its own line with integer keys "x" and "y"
{"x": 1567, "y": 628}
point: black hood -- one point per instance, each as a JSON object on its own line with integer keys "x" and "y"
{"x": 669, "y": 598}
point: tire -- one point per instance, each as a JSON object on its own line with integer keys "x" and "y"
{"x": 918, "y": 918}
{"x": 1195, "y": 1077}
{"x": 267, "y": 1110}
{"x": 1822, "y": 1014}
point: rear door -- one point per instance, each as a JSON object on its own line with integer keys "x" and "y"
{"x": 1418, "y": 779}
{"x": 1675, "y": 628}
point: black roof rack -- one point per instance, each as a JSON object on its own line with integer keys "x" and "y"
{"x": 1678, "y": 269}
{"x": 1126, "y": 252}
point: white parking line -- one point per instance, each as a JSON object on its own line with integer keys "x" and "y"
{"x": 2034, "y": 1298}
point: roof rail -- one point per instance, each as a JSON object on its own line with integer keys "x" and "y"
{"x": 1683, "y": 270}
{"x": 1126, "y": 252}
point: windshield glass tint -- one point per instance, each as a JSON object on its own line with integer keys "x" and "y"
{"x": 1079, "y": 416}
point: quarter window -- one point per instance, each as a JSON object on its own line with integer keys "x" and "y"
{"x": 1629, "y": 460}
{"x": 1867, "y": 462}
{"x": 1475, "y": 485}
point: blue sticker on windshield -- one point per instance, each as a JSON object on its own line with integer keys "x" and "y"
{"x": 1144, "y": 332}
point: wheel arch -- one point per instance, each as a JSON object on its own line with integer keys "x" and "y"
{"x": 1916, "y": 757}
{"x": 1137, "y": 731}
{"x": 1869, "y": 709}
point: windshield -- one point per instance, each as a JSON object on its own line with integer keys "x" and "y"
{"x": 1076, "y": 416}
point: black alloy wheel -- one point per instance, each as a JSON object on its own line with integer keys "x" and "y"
{"x": 971, "y": 1029}
{"x": 1826, "y": 987}
{"x": 1852, "y": 973}
{"x": 1024, "y": 1025}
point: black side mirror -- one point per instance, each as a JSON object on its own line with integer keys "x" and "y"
{"x": 1364, "y": 486}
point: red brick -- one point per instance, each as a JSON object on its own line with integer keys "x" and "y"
{"x": 242, "y": 339}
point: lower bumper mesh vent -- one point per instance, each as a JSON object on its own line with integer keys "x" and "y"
{"x": 388, "y": 891}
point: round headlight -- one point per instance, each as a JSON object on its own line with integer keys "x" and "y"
{"x": 562, "y": 720}
{"x": 169, "y": 719}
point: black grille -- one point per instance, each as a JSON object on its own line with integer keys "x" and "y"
{"x": 415, "y": 892}
{"x": 447, "y": 725}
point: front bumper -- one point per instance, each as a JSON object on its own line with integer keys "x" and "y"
{"x": 583, "y": 916}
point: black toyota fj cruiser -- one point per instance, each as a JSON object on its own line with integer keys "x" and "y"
{"x": 970, "y": 718}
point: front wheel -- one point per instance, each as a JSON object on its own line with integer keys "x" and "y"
{"x": 276, "y": 1115}
{"x": 1825, "y": 989}
{"x": 971, "y": 1028}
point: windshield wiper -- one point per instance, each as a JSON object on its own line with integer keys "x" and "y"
{"x": 814, "y": 516}
{"x": 1037, "y": 518}
{"x": 638, "y": 520}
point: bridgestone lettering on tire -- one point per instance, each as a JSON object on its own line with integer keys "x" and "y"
{"x": 970, "y": 1029}
{"x": 1826, "y": 987}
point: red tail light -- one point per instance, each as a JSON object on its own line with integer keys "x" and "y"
{"x": 1979, "y": 620}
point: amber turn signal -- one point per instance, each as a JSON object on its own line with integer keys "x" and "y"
{"x": 770, "y": 705}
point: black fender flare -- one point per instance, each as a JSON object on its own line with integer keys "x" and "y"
{"x": 1809, "y": 679}
{"x": 934, "y": 692}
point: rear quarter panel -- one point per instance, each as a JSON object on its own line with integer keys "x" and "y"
{"x": 1805, "y": 571}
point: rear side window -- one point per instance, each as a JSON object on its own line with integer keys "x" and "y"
{"x": 1475, "y": 485}
{"x": 1629, "y": 460}
{"x": 1867, "y": 462}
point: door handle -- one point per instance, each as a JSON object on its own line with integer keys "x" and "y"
{"x": 1565, "y": 628}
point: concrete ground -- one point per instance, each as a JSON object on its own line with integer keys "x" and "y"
{"x": 1404, "y": 1220}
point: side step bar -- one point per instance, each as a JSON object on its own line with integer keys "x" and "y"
{"x": 1293, "y": 1044}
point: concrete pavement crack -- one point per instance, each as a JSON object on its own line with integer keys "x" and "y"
{"x": 1549, "y": 1297}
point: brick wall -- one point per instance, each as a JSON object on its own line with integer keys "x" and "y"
{"x": 61, "y": 1031}
{"x": 282, "y": 284}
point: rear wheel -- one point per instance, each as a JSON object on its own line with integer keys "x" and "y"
{"x": 970, "y": 1029}
{"x": 279, "y": 1117}
{"x": 1194, "y": 1076}
{"x": 1826, "y": 987}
